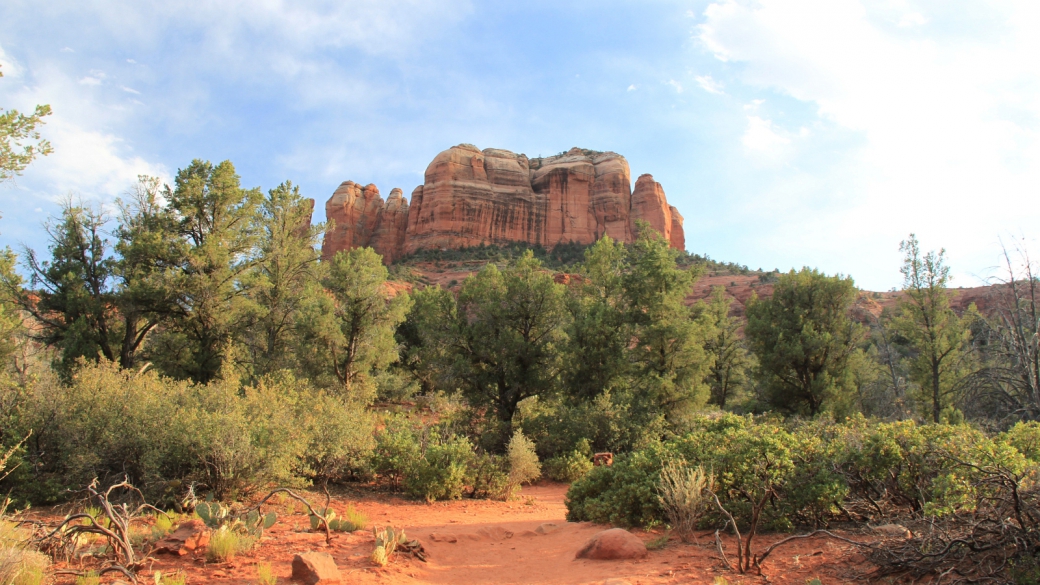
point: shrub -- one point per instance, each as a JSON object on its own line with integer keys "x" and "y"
{"x": 490, "y": 476}
{"x": 623, "y": 494}
{"x": 397, "y": 450}
{"x": 570, "y": 467}
{"x": 686, "y": 494}
{"x": 19, "y": 565}
{"x": 441, "y": 473}
{"x": 225, "y": 543}
{"x": 340, "y": 440}
{"x": 107, "y": 423}
{"x": 523, "y": 462}
{"x": 1025, "y": 436}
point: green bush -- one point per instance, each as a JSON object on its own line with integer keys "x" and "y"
{"x": 623, "y": 494}
{"x": 397, "y": 450}
{"x": 1025, "y": 436}
{"x": 569, "y": 467}
{"x": 164, "y": 434}
{"x": 340, "y": 441}
{"x": 489, "y": 475}
{"x": 441, "y": 473}
{"x": 802, "y": 473}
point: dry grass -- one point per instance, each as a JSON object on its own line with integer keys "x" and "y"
{"x": 685, "y": 496}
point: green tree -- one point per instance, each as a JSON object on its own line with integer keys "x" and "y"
{"x": 149, "y": 251}
{"x": 352, "y": 327}
{"x": 509, "y": 326}
{"x": 70, "y": 295}
{"x": 938, "y": 338}
{"x": 727, "y": 375}
{"x": 427, "y": 336}
{"x": 287, "y": 274}
{"x": 20, "y": 141}
{"x": 11, "y": 325}
{"x": 597, "y": 332}
{"x": 215, "y": 217}
{"x": 804, "y": 339}
{"x": 667, "y": 349}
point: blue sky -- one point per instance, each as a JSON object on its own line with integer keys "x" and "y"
{"x": 787, "y": 133}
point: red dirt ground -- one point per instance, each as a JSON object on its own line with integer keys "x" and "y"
{"x": 483, "y": 553}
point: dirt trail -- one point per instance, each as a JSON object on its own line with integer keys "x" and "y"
{"x": 506, "y": 543}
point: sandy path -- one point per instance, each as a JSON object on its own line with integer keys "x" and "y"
{"x": 497, "y": 543}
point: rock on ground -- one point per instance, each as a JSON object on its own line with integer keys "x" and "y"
{"x": 189, "y": 537}
{"x": 611, "y": 545}
{"x": 312, "y": 568}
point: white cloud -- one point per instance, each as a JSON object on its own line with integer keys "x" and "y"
{"x": 678, "y": 86}
{"x": 632, "y": 87}
{"x": 67, "y": 50}
{"x": 131, "y": 61}
{"x": 762, "y": 137}
{"x": 948, "y": 122}
{"x": 91, "y": 159}
{"x": 96, "y": 77}
{"x": 709, "y": 85}
{"x": 130, "y": 90}
{"x": 913, "y": 19}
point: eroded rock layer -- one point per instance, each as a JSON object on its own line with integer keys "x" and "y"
{"x": 471, "y": 197}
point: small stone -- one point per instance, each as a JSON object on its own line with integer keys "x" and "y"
{"x": 617, "y": 582}
{"x": 437, "y": 537}
{"x": 312, "y": 568}
{"x": 547, "y": 527}
{"x": 613, "y": 544}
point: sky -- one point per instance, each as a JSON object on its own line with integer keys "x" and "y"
{"x": 788, "y": 133}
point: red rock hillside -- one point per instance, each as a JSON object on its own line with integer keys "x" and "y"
{"x": 472, "y": 197}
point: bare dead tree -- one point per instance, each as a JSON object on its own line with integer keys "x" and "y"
{"x": 1008, "y": 387}
{"x": 112, "y": 523}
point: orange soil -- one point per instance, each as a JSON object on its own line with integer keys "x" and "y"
{"x": 484, "y": 554}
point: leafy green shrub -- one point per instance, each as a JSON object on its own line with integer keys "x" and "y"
{"x": 441, "y": 473}
{"x": 623, "y": 494}
{"x": 397, "y": 450}
{"x": 923, "y": 469}
{"x": 164, "y": 434}
{"x": 489, "y": 475}
{"x": 1025, "y": 436}
{"x": 753, "y": 461}
{"x": 569, "y": 467}
{"x": 340, "y": 439}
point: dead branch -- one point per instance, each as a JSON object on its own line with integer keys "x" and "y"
{"x": 299, "y": 498}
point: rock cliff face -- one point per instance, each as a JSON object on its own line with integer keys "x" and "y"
{"x": 471, "y": 197}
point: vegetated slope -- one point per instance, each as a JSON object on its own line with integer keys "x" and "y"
{"x": 448, "y": 268}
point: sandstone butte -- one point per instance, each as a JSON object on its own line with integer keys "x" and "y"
{"x": 471, "y": 197}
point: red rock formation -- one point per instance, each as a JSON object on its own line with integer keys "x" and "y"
{"x": 471, "y": 197}
{"x": 388, "y": 238}
{"x": 650, "y": 205}
{"x": 355, "y": 211}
